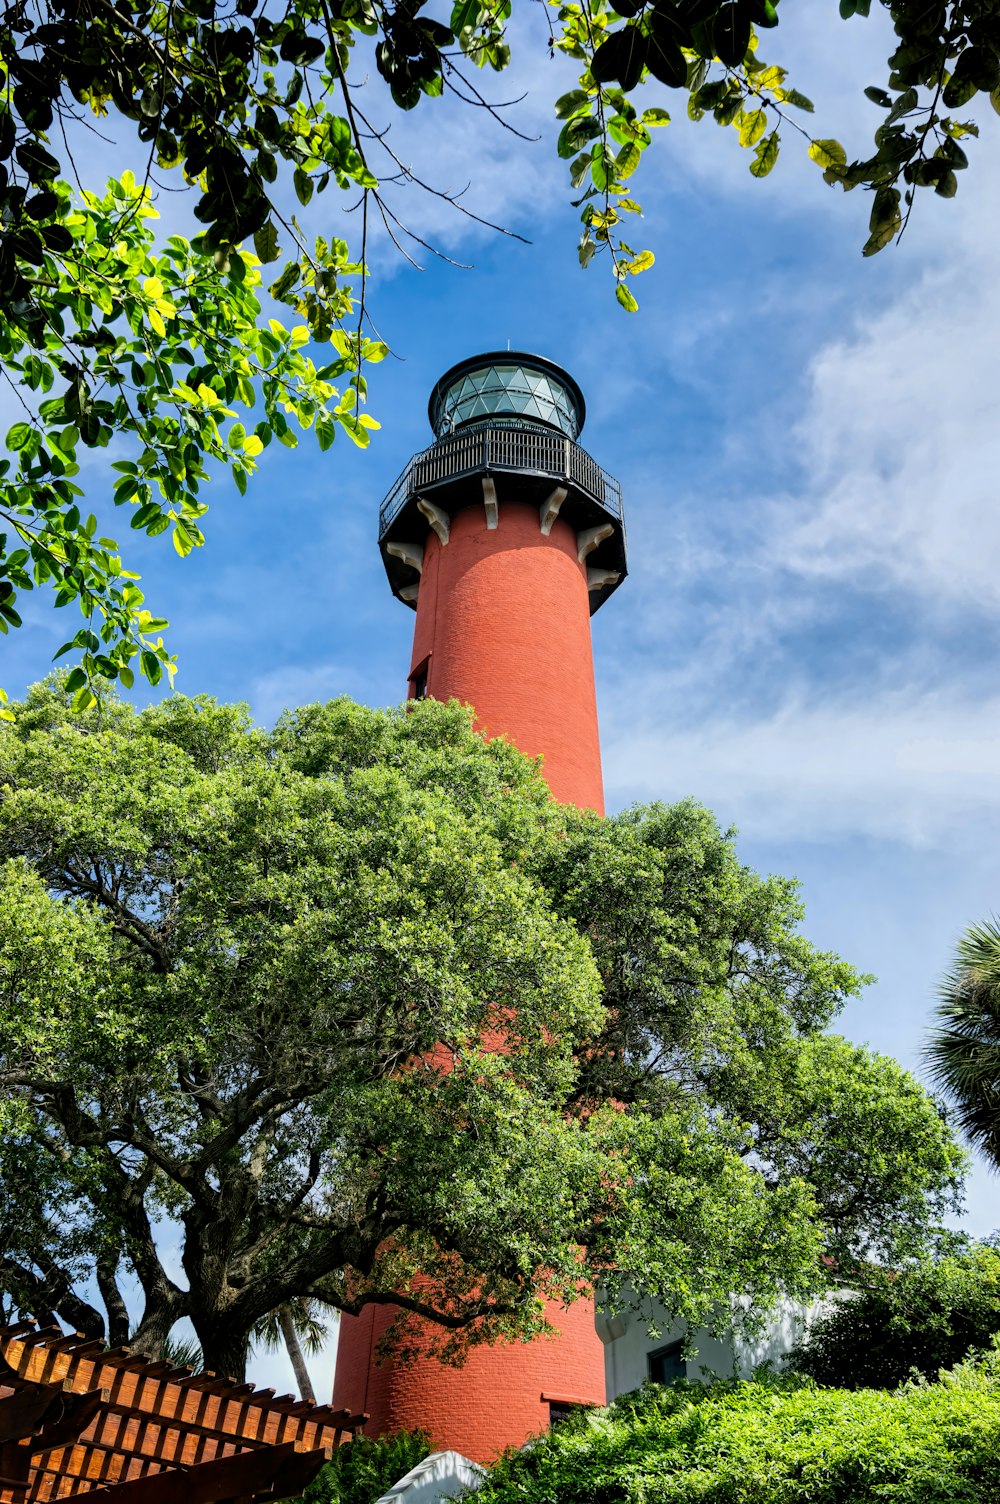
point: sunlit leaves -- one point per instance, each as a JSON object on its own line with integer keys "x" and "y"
{"x": 946, "y": 55}
{"x": 170, "y": 350}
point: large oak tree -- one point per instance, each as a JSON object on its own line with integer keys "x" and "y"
{"x": 351, "y": 1011}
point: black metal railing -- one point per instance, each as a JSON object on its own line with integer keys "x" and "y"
{"x": 501, "y": 446}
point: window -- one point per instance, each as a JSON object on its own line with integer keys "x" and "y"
{"x": 418, "y": 680}
{"x": 666, "y": 1365}
{"x": 561, "y": 1406}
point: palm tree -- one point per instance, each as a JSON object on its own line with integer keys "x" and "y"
{"x": 963, "y": 1052}
{"x": 296, "y": 1326}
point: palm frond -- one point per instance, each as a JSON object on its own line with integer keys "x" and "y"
{"x": 963, "y": 1050}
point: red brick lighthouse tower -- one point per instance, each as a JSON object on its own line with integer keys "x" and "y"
{"x": 505, "y": 536}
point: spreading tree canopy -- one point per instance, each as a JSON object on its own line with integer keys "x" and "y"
{"x": 165, "y": 345}
{"x": 351, "y": 1011}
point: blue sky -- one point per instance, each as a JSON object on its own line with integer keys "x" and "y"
{"x": 808, "y": 448}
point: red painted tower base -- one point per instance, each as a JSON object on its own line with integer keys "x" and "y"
{"x": 498, "y": 1398}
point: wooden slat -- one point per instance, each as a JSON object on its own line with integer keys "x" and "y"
{"x": 280, "y": 1472}
{"x": 177, "y": 1423}
{"x": 112, "y": 1420}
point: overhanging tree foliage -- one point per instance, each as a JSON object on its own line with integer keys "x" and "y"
{"x": 247, "y": 102}
{"x": 251, "y": 989}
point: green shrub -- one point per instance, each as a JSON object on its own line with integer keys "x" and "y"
{"x": 362, "y": 1470}
{"x": 911, "y": 1321}
{"x": 784, "y": 1441}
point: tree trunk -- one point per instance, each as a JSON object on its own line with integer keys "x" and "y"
{"x": 224, "y": 1348}
{"x": 117, "y": 1334}
{"x": 294, "y": 1349}
{"x": 152, "y": 1332}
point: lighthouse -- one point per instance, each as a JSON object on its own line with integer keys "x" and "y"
{"x": 504, "y": 536}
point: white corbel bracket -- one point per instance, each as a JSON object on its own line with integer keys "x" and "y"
{"x": 409, "y": 593}
{"x": 588, "y": 540}
{"x": 598, "y": 578}
{"x": 438, "y": 519}
{"x": 410, "y": 553}
{"x": 549, "y": 509}
{"x": 490, "y": 503}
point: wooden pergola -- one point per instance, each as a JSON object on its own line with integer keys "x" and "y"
{"x": 77, "y": 1419}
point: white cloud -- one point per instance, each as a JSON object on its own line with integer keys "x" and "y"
{"x": 900, "y": 446}
{"x": 899, "y": 442}
{"x": 922, "y": 769}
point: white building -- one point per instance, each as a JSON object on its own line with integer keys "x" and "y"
{"x": 631, "y": 1355}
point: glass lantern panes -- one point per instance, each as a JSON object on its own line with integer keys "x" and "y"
{"x": 513, "y": 389}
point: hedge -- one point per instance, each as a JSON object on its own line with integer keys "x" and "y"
{"x": 782, "y": 1441}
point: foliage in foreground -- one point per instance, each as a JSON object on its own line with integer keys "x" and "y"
{"x": 248, "y": 982}
{"x": 364, "y": 1469}
{"x": 777, "y": 1442}
{"x": 246, "y": 105}
{"x": 919, "y": 1319}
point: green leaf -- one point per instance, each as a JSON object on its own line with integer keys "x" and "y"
{"x": 579, "y": 169}
{"x": 765, "y": 155}
{"x": 878, "y": 241}
{"x": 626, "y": 299}
{"x": 265, "y": 242}
{"x": 752, "y": 127}
{"x": 800, "y": 101}
{"x": 151, "y": 666}
{"x": 627, "y": 160}
{"x": 575, "y": 134}
{"x": 571, "y": 103}
{"x": 885, "y": 212}
{"x": 183, "y": 541}
{"x": 19, "y": 436}
{"x": 906, "y": 102}
{"x": 828, "y": 153}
